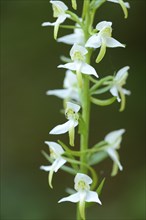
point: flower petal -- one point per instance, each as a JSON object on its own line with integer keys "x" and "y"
{"x": 114, "y": 135}
{"x": 88, "y": 69}
{"x": 68, "y": 39}
{"x": 61, "y": 93}
{"x": 71, "y": 39}
{"x": 61, "y": 129}
{"x": 48, "y": 24}
{"x": 111, "y": 42}
{"x": 59, "y": 162}
{"x": 94, "y": 41}
{"x": 70, "y": 80}
{"x": 73, "y": 198}
{"x": 46, "y": 168}
{"x": 126, "y": 92}
{"x": 114, "y": 92}
{"x": 114, "y": 156}
{"x": 73, "y": 106}
{"x": 103, "y": 24}
{"x": 122, "y": 73}
{"x": 92, "y": 197}
{"x": 60, "y": 5}
{"x": 55, "y": 147}
{"x": 61, "y": 18}
{"x": 70, "y": 66}
{"x": 117, "y": 1}
{"x": 85, "y": 178}
{"x": 77, "y": 48}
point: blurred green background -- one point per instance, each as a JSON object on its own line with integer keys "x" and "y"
{"x": 29, "y": 59}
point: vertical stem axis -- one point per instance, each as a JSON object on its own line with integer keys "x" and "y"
{"x": 85, "y": 92}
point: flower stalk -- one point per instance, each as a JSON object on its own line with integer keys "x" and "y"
{"x": 81, "y": 88}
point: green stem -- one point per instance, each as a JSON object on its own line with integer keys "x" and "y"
{"x": 86, "y": 93}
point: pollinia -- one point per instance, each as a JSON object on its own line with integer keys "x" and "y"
{"x": 83, "y": 86}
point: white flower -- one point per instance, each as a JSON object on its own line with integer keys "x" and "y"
{"x": 77, "y": 37}
{"x": 55, "y": 154}
{"x": 70, "y": 91}
{"x": 123, "y": 4}
{"x": 113, "y": 140}
{"x": 59, "y": 9}
{"x": 83, "y": 194}
{"x": 71, "y": 113}
{"x": 79, "y": 65}
{"x": 103, "y": 39}
{"x": 118, "y": 82}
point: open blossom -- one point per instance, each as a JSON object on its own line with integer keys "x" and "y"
{"x": 70, "y": 91}
{"x": 83, "y": 194}
{"x": 55, "y": 154}
{"x": 103, "y": 39}
{"x": 113, "y": 140}
{"x": 79, "y": 64}
{"x": 71, "y": 113}
{"x": 118, "y": 82}
{"x": 77, "y": 37}
{"x": 59, "y": 12}
{"x": 123, "y": 4}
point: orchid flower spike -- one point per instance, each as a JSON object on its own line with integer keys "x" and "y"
{"x": 113, "y": 140}
{"x": 83, "y": 194}
{"x": 118, "y": 82}
{"x": 77, "y": 37}
{"x": 103, "y": 39}
{"x": 59, "y": 12}
{"x": 70, "y": 91}
{"x": 124, "y": 6}
{"x": 79, "y": 65}
{"x": 55, "y": 154}
{"x": 72, "y": 115}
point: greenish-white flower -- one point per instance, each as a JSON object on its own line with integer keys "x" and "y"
{"x": 113, "y": 140}
{"x": 79, "y": 64}
{"x": 70, "y": 91}
{"x": 103, "y": 39}
{"x": 117, "y": 89}
{"x": 124, "y": 6}
{"x": 77, "y": 37}
{"x": 72, "y": 115}
{"x": 58, "y": 161}
{"x": 59, "y": 12}
{"x": 83, "y": 194}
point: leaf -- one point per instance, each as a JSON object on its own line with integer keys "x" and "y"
{"x": 103, "y": 102}
{"x": 99, "y": 189}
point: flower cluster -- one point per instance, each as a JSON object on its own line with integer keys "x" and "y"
{"x": 81, "y": 87}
